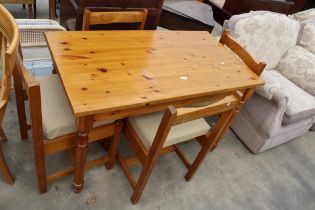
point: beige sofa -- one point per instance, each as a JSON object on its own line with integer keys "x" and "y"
{"x": 284, "y": 108}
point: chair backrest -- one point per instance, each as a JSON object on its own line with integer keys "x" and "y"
{"x": 230, "y": 42}
{"x": 111, "y": 16}
{"x": 25, "y": 84}
{"x": 9, "y": 39}
{"x": 173, "y": 116}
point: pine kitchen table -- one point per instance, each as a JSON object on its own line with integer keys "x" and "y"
{"x": 116, "y": 74}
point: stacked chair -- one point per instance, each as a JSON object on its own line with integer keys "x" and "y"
{"x": 9, "y": 39}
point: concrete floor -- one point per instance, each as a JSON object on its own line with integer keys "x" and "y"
{"x": 230, "y": 178}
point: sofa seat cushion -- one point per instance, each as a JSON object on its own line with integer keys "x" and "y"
{"x": 298, "y": 65}
{"x": 265, "y": 35}
{"x": 147, "y": 125}
{"x": 191, "y": 9}
{"x": 307, "y": 35}
{"x": 301, "y": 105}
{"x": 57, "y": 117}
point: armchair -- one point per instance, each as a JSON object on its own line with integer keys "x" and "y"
{"x": 283, "y": 109}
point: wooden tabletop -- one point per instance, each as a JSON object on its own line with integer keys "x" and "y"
{"x": 106, "y": 71}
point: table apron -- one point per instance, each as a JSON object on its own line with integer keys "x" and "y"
{"x": 150, "y": 108}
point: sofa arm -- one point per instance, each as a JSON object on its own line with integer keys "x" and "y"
{"x": 280, "y": 100}
{"x": 265, "y": 116}
{"x": 272, "y": 85}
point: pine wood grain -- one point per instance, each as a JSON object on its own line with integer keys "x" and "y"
{"x": 109, "y": 71}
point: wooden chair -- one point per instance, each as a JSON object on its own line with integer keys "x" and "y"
{"x": 53, "y": 124}
{"x": 152, "y": 135}
{"x": 155, "y": 134}
{"x": 114, "y": 16}
{"x": 9, "y": 39}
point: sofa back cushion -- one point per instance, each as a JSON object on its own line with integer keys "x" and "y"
{"x": 307, "y": 35}
{"x": 304, "y": 15}
{"x": 298, "y": 65}
{"x": 266, "y": 35}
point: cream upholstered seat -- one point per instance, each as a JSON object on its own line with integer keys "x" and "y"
{"x": 147, "y": 125}
{"x": 57, "y": 116}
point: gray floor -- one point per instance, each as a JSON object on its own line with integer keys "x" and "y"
{"x": 230, "y": 178}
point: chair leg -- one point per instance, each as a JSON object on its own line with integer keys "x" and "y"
{"x": 113, "y": 148}
{"x": 52, "y": 9}
{"x": 55, "y": 10}
{"x": 40, "y": 167}
{"x": 20, "y": 103}
{"x": 2, "y": 135}
{"x": 154, "y": 152}
{"x": 30, "y": 11}
{"x": 193, "y": 168}
{"x": 216, "y": 134}
{"x": 5, "y": 169}
{"x": 54, "y": 71}
{"x": 35, "y": 10}
{"x": 37, "y": 134}
{"x": 142, "y": 181}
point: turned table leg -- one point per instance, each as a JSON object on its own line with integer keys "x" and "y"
{"x": 84, "y": 125}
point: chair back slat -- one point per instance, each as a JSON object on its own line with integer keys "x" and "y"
{"x": 163, "y": 130}
{"x": 230, "y": 42}
{"x": 187, "y": 114}
{"x": 27, "y": 79}
{"x": 110, "y": 17}
{"x": 9, "y": 37}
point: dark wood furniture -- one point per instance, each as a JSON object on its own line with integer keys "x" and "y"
{"x": 173, "y": 21}
{"x": 234, "y": 7}
{"x": 301, "y": 4}
{"x": 74, "y": 9}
